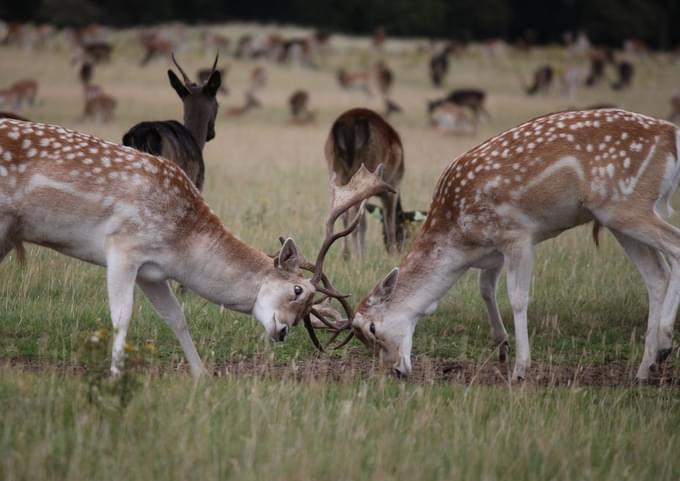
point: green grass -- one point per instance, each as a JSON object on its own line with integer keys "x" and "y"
{"x": 240, "y": 429}
{"x": 266, "y": 178}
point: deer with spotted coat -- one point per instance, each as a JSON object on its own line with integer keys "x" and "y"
{"x": 142, "y": 218}
{"x": 528, "y": 184}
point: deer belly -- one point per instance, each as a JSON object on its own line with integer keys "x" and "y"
{"x": 71, "y": 235}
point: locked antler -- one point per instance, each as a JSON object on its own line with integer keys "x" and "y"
{"x": 363, "y": 185}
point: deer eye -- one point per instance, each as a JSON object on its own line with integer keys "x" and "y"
{"x": 372, "y": 328}
{"x": 298, "y": 291}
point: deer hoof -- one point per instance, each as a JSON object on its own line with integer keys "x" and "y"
{"x": 662, "y": 355}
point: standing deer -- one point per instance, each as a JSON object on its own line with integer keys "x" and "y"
{"x": 99, "y": 106}
{"x": 470, "y": 98}
{"x": 19, "y": 93}
{"x": 142, "y": 218}
{"x": 528, "y": 184}
{"x": 362, "y": 137}
{"x": 543, "y": 78}
{"x": 183, "y": 144}
{"x": 298, "y": 102}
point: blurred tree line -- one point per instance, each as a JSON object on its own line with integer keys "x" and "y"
{"x": 544, "y": 21}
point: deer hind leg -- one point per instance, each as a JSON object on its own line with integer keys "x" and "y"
{"x": 488, "y": 286}
{"x": 654, "y": 271}
{"x": 650, "y": 229}
{"x": 163, "y": 300}
{"x": 389, "y": 202}
{"x": 8, "y": 239}
{"x": 354, "y": 243}
{"x": 520, "y": 259}
{"x": 120, "y": 280}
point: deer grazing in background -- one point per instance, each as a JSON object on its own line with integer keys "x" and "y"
{"x": 98, "y": 105}
{"x": 528, "y": 184}
{"x": 250, "y": 103}
{"x": 384, "y": 77}
{"x": 298, "y": 103}
{"x": 143, "y": 219}
{"x": 362, "y": 137}
{"x": 183, "y": 144}
{"x": 542, "y": 81}
{"x": 448, "y": 117}
{"x": 204, "y": 74}
{"x": 19, "y": 93}
{"x": 471, "y": 99}
{"x": 439, "y": 66}
{"x": 358, "y": 80}
{"x": 625, "y": 71}
{"x": 156, "y": 43}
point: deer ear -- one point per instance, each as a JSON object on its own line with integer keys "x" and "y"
{"x": 288, "y": 257}
{"x": 383, "y": 291}
{"x": 213, "y": 84}
{"x": 177, "y": 84}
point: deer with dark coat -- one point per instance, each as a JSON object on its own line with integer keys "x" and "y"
{"x": 361, "y": 136}
{"x": 183, "y": 144}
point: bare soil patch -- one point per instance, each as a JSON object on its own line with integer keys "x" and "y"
{"x": 426, "y": 371}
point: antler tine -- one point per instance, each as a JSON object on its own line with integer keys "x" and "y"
{"x": 187, "y": 80}
{"x": 217, "y": 56}
{"x": 363, "y": 185}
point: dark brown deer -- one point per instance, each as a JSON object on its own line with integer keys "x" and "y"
{"x": 361, "y": 136}
{"x": 543, "y": 78}
{"x": 183, "y": 144}
{"x": 439, "y": 66}
{"x": 625, "y": 71}
{"x": 299, "y": 108}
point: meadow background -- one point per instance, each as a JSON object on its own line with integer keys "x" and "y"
{"x": 275, "y": 411}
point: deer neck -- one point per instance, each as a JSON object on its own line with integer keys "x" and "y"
{"x": 426, "y": 274}
{"x": 196, "y": 121}
{"x": 223, "y": 269}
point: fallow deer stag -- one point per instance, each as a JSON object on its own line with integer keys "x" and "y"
{"x": 528, "y": 184}
{"x": 361, "y": 136}
{"x": 143, "y": 219}
{"x": 183, "y": 144}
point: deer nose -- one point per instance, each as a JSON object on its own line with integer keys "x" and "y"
{"x": 281, "y": 335}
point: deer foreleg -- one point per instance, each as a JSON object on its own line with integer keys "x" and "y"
{"x": 520, "y": 259}
{"x": 163, "y": 300}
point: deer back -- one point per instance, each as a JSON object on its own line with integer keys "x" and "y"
{"x": 361, "y": 136}
{"x": 171, "y": 140}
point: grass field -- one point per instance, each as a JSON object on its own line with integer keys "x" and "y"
{"x": 277, "y": 413}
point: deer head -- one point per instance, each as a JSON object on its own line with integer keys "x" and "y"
{"x": 200, "y": 102}
{"x": 362, "y": 186}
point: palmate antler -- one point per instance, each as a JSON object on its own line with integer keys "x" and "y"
{"x": 363, "y": 185}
